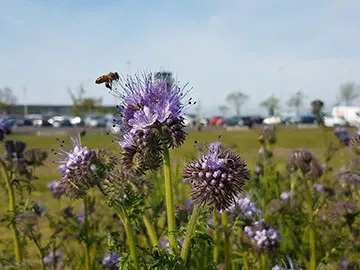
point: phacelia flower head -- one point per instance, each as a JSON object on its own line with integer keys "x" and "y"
{"x": 78, "y": 169}
{"x": 342, "y": 211}
{"x": 348, "y": 176}
{"x": 319, "y": 188}
{"x": 110, "y": 260}
{"x": 14, "y": 156}
{"x": 56, "y": 188}
{"x": 303, "y": 160}
{"x": 35, "y": 157}
{"x": 217, "y": 178}
{"x": 149, "y": 108}
{"x": 262, "y": 236}
{"x": 285, "y": 195}
{"x": 38, "y": 209}
{"x": 53, "y": 258}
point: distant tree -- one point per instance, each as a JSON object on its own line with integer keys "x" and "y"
{"x": 349, "y": 92}
{"x": 237, "y": 99}
{"x": 296, "y": 101}
{"x": 7, "y": 99}
{"x": 271, "y": 104}
{"x": 223, "y": 109}
{"x": 85, "y": 105}
{"x": 316, "y": 107}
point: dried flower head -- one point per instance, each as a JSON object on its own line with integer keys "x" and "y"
{"x": 27, "y": 223}
{"x": 341, "y": 211}
{"x": 349, "y": 175}
{"x": 14, "y": 156}
{"x": 262, "y": 236}
{"x": 303, "y": 160}
{"x": 274, "y": 206}
{"x": 110, "y": 260}
{"x": 35, "y": 157}
{"x": 56, "y": 188}
{"x": 217, "y": 178}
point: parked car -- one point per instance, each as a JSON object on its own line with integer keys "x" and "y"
{"x": 257, "y": 119}
{"x": 239, "y": 121}
{"x": 272, "y": 120}
{"x": 334, "y": 121}
{"x": 216, "y": 121}
{"x": 95, "y": 121}
{"x": 302, "y": 119}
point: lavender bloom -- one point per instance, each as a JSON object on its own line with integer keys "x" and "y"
{"x": 321, "y": 188}
{"x": 38, "y": 209}
{"x": 258, "y": 170}
{"x": 52, "y": 258}
{"x": 262, "y": 236}
{"x": 217, "y": 178}
{"x": 80, "y": 217}
{"x": 75, "y": 169}
{"x": 151, "y": 115}
{"x": 247, "y": 208}
{"x": 56, "y": 188}
{"x": 285, "y": 195}
{"x": 110, "y": 260}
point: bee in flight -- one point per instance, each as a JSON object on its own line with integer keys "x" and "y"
{"x": 108, "y": 79}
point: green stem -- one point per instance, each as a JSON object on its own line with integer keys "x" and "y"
{"x": 86, "y": 229}
{"x": 189, "y": 232}
{"x": 227, "y": 248}
{"x": 263, "y": 261}
{"x": 12, "y": 206}
{"x": 169, "y": 199}
{"x": 41, "y": 254}
{"x": 216, "y": 238}
{"x": 312, "y": 248}
{"x": 150, "y": 230}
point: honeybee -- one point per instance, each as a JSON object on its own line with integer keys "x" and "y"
{"x": 108, "y": 79}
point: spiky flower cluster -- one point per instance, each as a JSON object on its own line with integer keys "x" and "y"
{"x": 303, "y": 160}
{"x": 217, "y": 178}
{"x": 268, "y": 135}
{"x": 151, "y": 114}
{"x": 110, "y": 260}
{"x": 247, "y": 208}
{"x": 342, "y": 134}
{"x": 262, "y": 236}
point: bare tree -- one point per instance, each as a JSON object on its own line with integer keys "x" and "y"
{"x": 223, "y": 109}
{"x": 7, "y": 99}
{"x": 296, "y": 101}
{"x": 349, "y": 92}
{"x": 271, "y": 104}
{"x": 237, "y": 99}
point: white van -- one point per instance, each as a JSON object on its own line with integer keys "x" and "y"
{"x": 350, "y": 113}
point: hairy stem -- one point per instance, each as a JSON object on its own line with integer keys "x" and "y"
{"x": 169, "y": 199}
{"x": 86, "y": 231}
{"x": 189, "y": 232}
{"x": 216, "y": 238}
{"x": 37, "y": 244}
{"x": 227, "y": 247}
{"x": 312, "y": 244}
{"x": 150, "y": 230}
{"x": 12, "y": 206}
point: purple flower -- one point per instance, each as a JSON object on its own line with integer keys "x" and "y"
{"x": 321, "y": 188}
{"x": 151, "y": 114}
{"x": 77, "y": 168}
{"x": 217, "y": 178}
{"x": 56, "y": 188}
{"x": 303, "y": 160}
{"x": 110, "y": 260}
{"x": 51, "y": 257}
{"x": 285, "y": 195}
{"x": 38, "y": 209}
{"x": 342, "y": 134}
{"x": 247, "y": 208}
{"x": 262, "y": 236}
{"x": 81, "y": 217}
{"x": 258, "y": 170}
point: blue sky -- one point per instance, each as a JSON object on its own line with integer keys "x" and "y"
{"x": 258, "y": 47}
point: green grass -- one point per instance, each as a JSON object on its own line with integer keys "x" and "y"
{"x": 243, "y": 142}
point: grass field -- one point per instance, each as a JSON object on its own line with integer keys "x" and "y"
{"x": 243, "y": 142}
